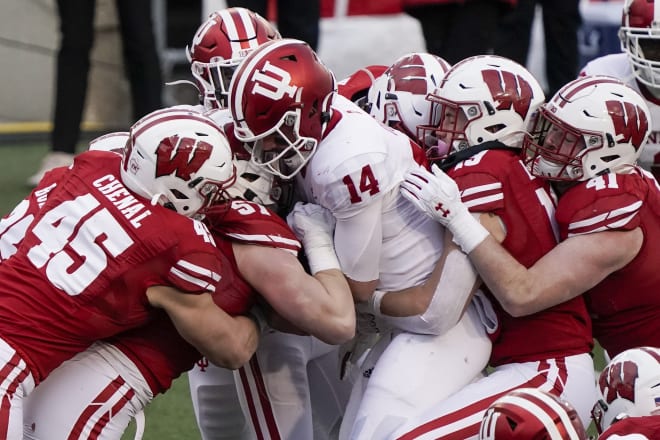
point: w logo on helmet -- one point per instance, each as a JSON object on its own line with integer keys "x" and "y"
{"x": 509, "y": 90}
{"x": 619, "y": 381}
{"x": 181, "y": 156}
{"x": 630, "y": 122}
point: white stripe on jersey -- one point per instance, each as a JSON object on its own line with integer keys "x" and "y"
{"x": 198, "y": 269}
{"x": 292, "y": 245}
{"x": 196, "y": 281}
{"x": 484, "y": 200}
{"x": 630, "y": 210}
{"x": 481, "y": 188}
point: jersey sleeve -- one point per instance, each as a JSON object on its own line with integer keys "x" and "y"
{"x": 480, "y": 180}
{"x": 605, "y": 203}
{"x": 251, "y": 223}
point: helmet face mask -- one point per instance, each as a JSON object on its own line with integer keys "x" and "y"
{"x": 640, "y": 39}
{"x": 592, "y": 126}
{"x": 220, "y": 45}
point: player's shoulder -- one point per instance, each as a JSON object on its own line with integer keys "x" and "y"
{"x": 608, "y": 202}
{"x": 615, "y": 65}
{"x": 251, "y": 223}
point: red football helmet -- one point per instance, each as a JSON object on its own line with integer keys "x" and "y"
{"x": 640, "y": 39}
{"x": 179, "y": 159}
{"x": 529, "y": 413}
{"x": 628, "y": 387}
{"x": 592, "y": 126}
{"x": 280, "y": 102}
{"x": 218, "y": 47}
{"x": 398, "y": 97}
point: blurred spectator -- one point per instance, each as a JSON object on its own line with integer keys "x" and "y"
{"x": 561, "y": 20}
{"x": 295, "y": 18}
{"x": 73, "y": 63}
{"x": 457, "y": 29}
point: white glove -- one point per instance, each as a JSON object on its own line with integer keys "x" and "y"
{"x": 314, "y": 226}
{"x": 437, "y": 195}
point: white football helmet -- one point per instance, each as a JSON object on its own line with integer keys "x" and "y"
{"x": 113, "y": 142}
{"x": 628, "y": 387}
{"x": 219, "y": 46}
{"x": 592, "y": 126}
{"x": 179, "y": 159}
{"x": 483, "y": 98}
{"x": 398, "y": 97}
{"x": 640, "y": 39}
{"x": 529, "y": 413}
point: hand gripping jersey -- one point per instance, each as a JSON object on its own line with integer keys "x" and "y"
{"x": 81, "y": 272}
{"x": 157, "y": 349}
{"x": 618, "y": 66}
{"x": 633, "y": 428}
{"x": 496, "y": 181}
{"x": 624, "y": 306}
{"x": 359, "y": 164}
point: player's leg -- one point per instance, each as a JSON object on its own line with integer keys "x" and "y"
{"x": 17, "y": 382}
{"x": 97, "y": 391}
{"x": 274, "y": 387}
{"x": 459, "y": 416}
{"x": 329, "y": 394}
{"x": 215, "y": 401}
{"x": 418, "y": 370}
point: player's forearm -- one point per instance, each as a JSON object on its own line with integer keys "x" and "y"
{"x": 337, "y": 307}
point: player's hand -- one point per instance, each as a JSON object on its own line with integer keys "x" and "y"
{"x": 314, "y": 226}
{"x": 437, "y": 195}
{"x": 434, "y": 193}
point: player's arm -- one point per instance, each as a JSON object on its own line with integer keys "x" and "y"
{"x": 568, "y": 270}
{"x": 439, "y": 302}
{"x": 571, "y": 268}
{"x": 227, "y": 341}
{"x": 320, "y": 305}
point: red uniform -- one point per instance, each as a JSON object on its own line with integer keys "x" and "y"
{"x": 157, "y": 350}
{"x": 633, "y": 428}
{"x": 496, "y": 181}
{"x": 82, "y": 270}
{"x": 624, "y": 306}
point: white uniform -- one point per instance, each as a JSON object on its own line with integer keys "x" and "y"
{"x": 355, "y": 173}
{"x": 618, "y": 66}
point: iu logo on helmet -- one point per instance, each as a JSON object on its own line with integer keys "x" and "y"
{"x": 181, "y": 156}
{"x": 509, "y": 90}
{"x": 619, "y": 381}
{"x": 630, "y": 123}
{"x": 273, "y": 82}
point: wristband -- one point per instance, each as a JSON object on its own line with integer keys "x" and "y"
{"x": 467, "y": 231}
{"x": 321, "y": 258}
{"x": 374, "y": 302}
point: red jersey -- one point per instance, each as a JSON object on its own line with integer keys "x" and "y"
{"x": 157, "y": 349}
{"x": 633, "y": 428}
{"x": 81, "y": 272}
{"x": 624, "y": 306}
{"x": 14, "y": 225}
{"x": 496, "y": 181}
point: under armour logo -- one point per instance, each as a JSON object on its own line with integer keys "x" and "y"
{"x": 445, "y": 212}
{"x": 203, "y": 364}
